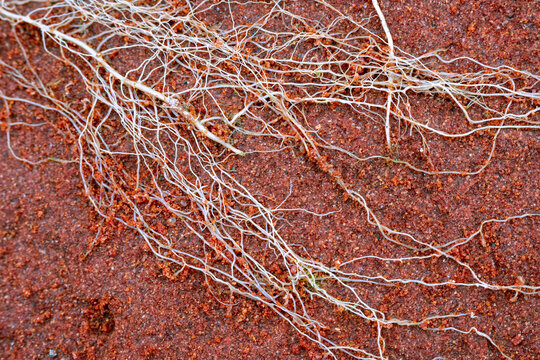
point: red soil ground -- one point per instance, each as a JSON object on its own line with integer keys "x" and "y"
{"x": 61, "y": 299}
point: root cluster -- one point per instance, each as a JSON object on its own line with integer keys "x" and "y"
{"x": 155, "y": 132}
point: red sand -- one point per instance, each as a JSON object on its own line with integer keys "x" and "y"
{"x": 61, "y": 300}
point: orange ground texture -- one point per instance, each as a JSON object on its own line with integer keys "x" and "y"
{"x": 62, "y": 299}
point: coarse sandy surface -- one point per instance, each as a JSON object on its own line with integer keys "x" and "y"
{"x": 65, "y": 295}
